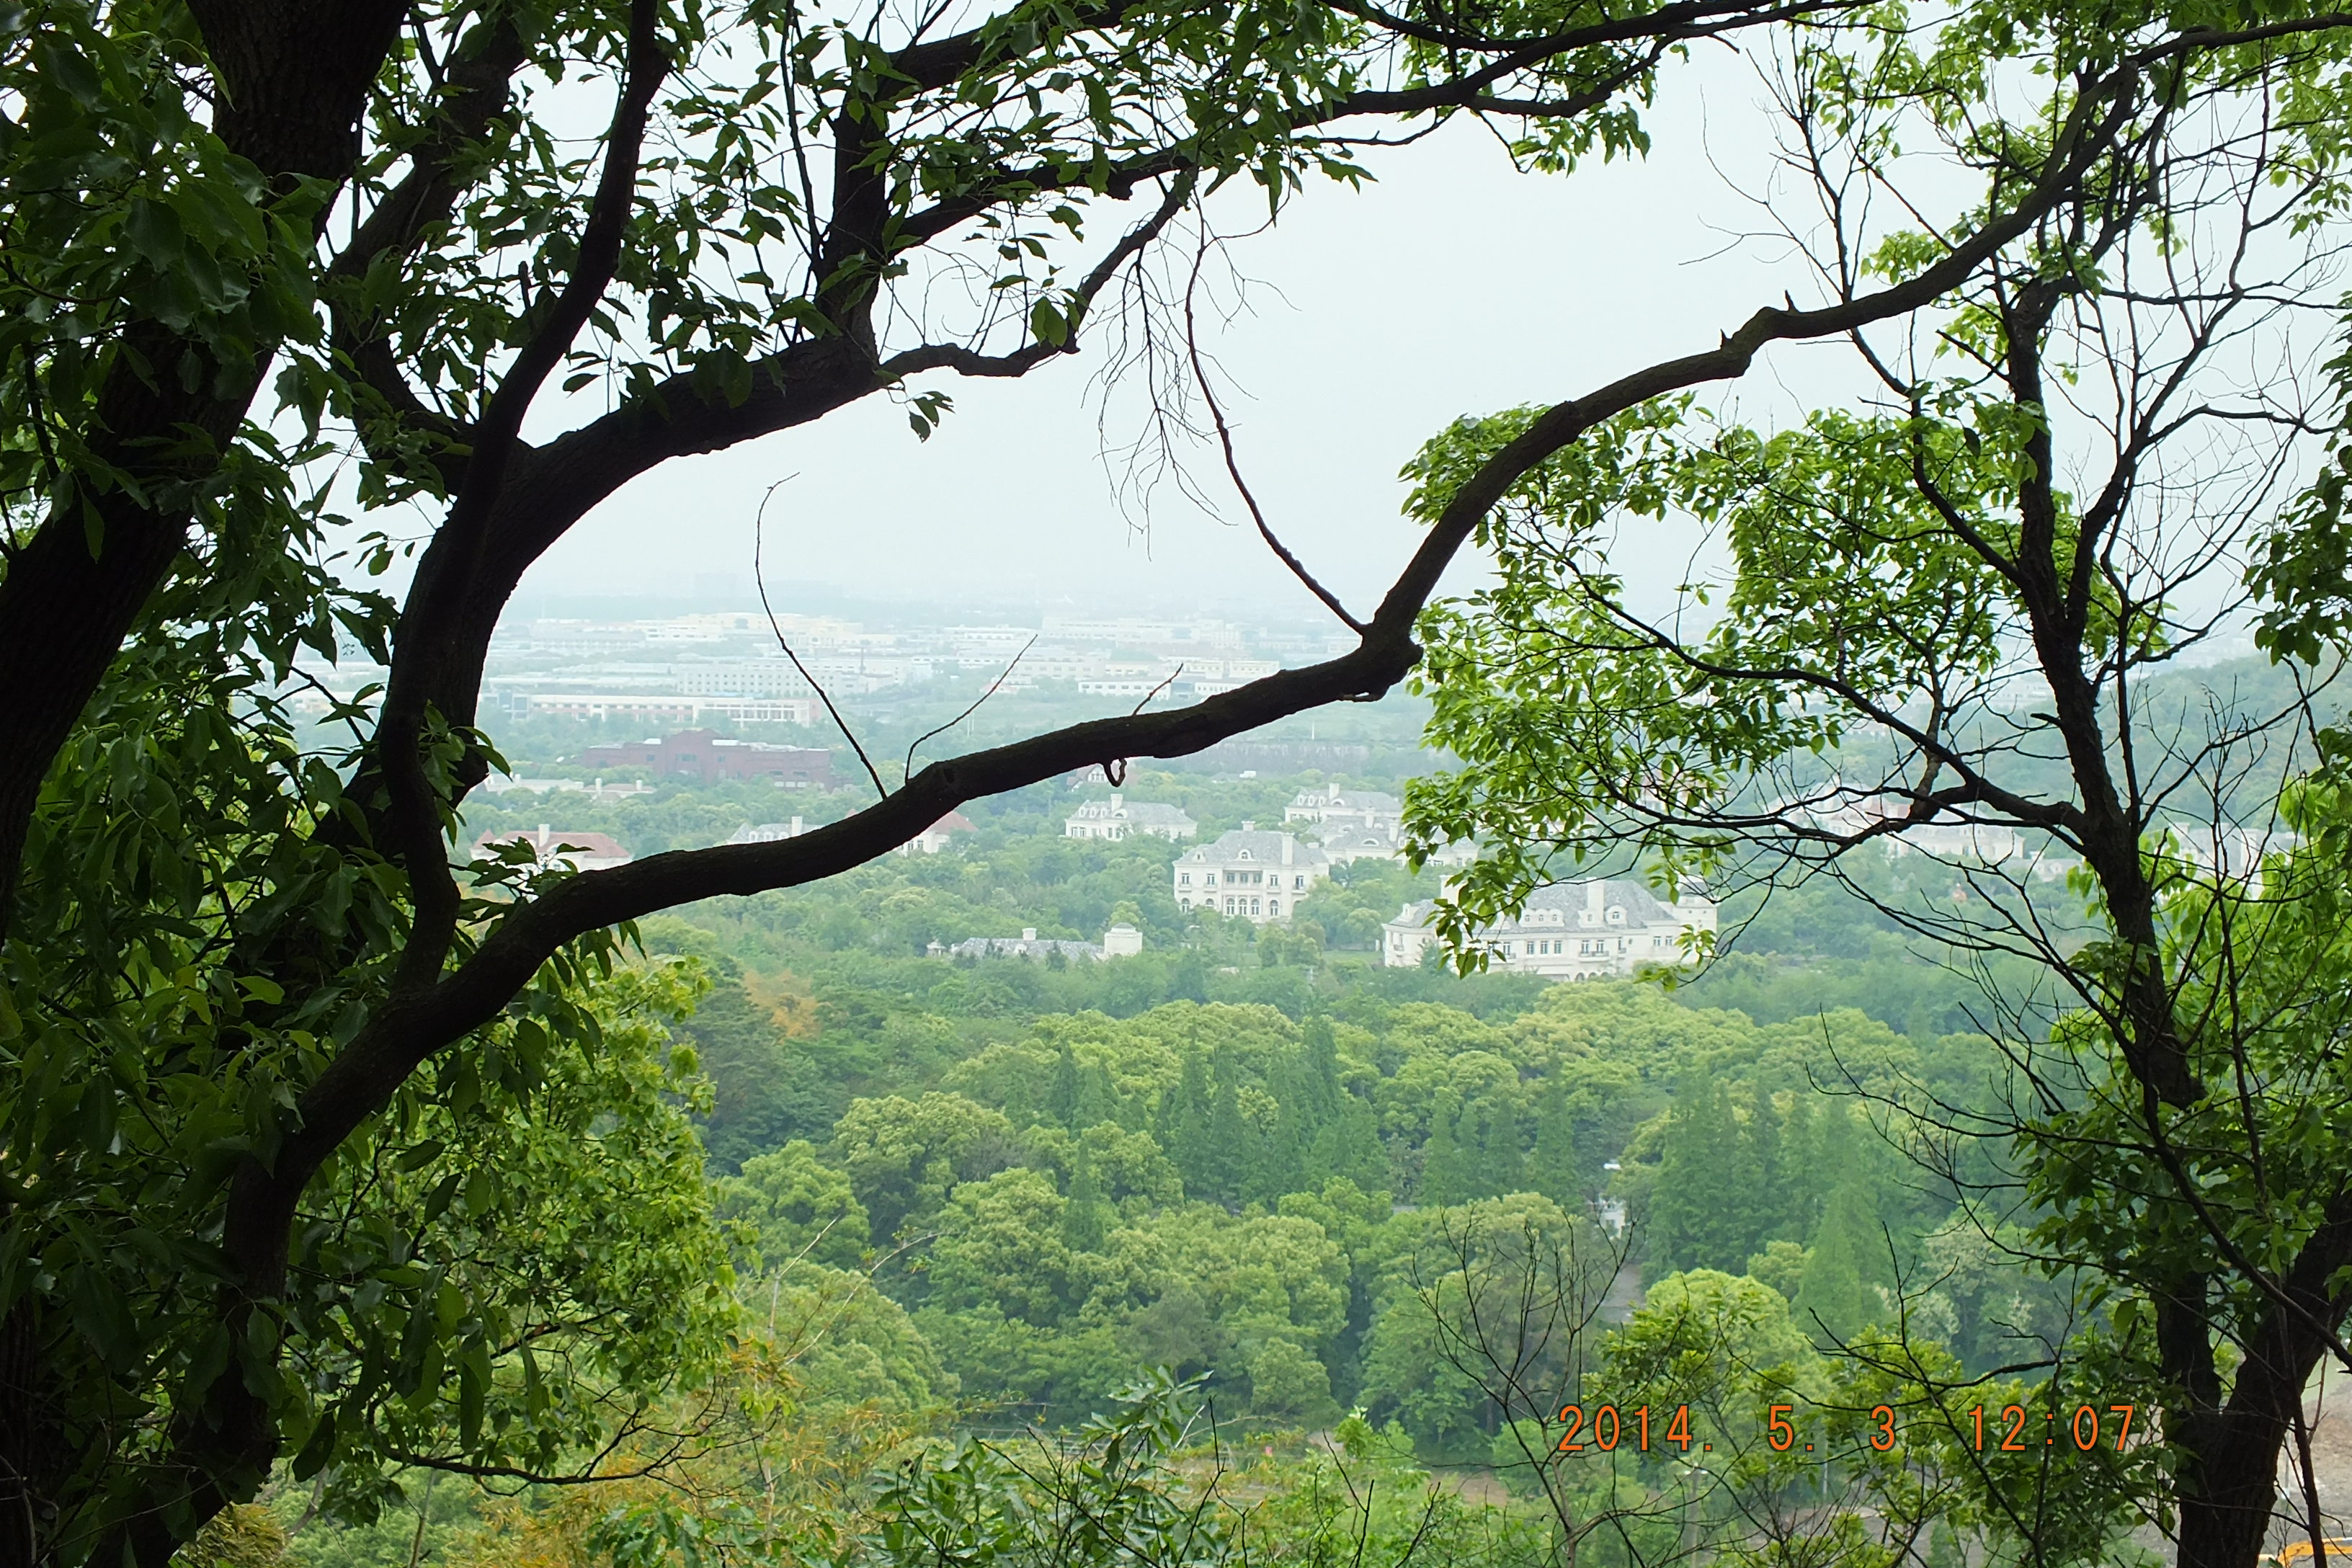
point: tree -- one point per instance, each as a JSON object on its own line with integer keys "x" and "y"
{"x": 904, "y": 1158}
{"x": 794, "y": 1206}
{"x": 1231, "y": 1139}
{"x": 1957, "y": 612}
{"x": 1062, "y": 1100}
{"x": 1487, "y": 1323}
{"x": 1552, "y": 1166}
{"x": 1697, "y": 1204}
{"x": 1447, "y": 1170}
{"x": 1184, "y": 1127}
{"x": 1001, "y": 1244}
{"x": 1082, "y": 1221}
{"x": 258, "y": 955}
{"x": 1835, "y": 1298}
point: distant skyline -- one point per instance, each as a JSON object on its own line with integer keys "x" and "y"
{"x": 1452, "y": 285}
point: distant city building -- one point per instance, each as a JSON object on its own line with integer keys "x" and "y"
{"x": 582, "y": 851}
{"x": 663, "y": 708}
{"x": 1249, "y": 875}
{"x": 1133, "y": 632}
{"x": 935, "y": 837}
{"x": 743, "y": 678}
{"x": 1571, "y": 931}
{"x": 1119, "y": 818}
{"x": 1118, "y": 942}
{"x": 599, "y": 792}
{"x": 1336, "y": 813}
{"x": 701, "y": 755}
{"x": 1127, "y": 686}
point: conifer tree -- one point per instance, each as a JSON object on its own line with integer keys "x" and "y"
{"x": 1348, "y": 1145}
{"x": 1323, "y": 1089}
{"x": 1757, "y": 1166}
{"x": 1278, "y": 1155}
{"x": 1798, "y": 1191}
{"x": 1695, "y": 1220}
{"x": 1062, "y": 1098}
{"x": 1189, "y": 980}
{"x": 1443, "y": 1179}
{"x": 1098, "y": 1098}
{"x": 1552, "y": 1168}
{"x": 1084, "y": 1222}
{"x": 1231, "y": 1142}
{"x": 1186, "y": 1133}
{"x": 1488, "y": 1139}
{"x": 1848, "y": 1255}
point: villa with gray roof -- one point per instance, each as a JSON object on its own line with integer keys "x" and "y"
{"x": 1350, "y": 812}
{"x": 1119, "y": 818}
{"x": 1571, "y": 931}
{"x": 1354, "y": 844}
{"x": 1249, "y": 875}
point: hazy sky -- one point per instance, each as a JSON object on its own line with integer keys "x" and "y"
{"x": 1453, "y": 285}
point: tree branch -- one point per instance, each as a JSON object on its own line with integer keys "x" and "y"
{"x": 599, "y": 255}
{"x": 408, "y": 1029}
{"x": 478, "y": 90}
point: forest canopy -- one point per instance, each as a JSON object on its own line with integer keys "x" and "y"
{"x": 348, "y": 1154}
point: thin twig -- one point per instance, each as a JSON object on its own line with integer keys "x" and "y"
{"x": 976, "y": 701}
{"x": 1233, "y": 463}
{"x": 1115, "y": 768}
{"x": 758, "y": 528}
{"x": 2310, "y": 1483}
{"x": 1155, "y": 691}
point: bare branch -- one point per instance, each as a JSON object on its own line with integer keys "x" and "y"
{"x": 1233, "y": 464}
{"x": 760, "y": 579}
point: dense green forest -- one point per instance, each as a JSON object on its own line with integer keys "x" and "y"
{"x": 991, "y": 1195}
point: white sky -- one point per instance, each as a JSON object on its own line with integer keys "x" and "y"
{"x": 1453, "y": 285}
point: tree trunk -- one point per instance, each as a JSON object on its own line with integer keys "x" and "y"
{"x": 2226, "y": 1517}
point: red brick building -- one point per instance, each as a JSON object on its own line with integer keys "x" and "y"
{"x": 701, "y": 755}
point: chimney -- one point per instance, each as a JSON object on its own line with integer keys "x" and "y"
{"x": 797, "y": 828}
{"x": 1115, "y": 807}
{"x": 1028, "y": 933}
{"x": 1249, "y": 827}
{"x": 1288, "y": 844}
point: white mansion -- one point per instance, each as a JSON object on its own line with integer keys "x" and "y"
{"x": 1117, "y": 818}
{"x": 1250, "y": 875}
{"x": 1354, "y": 813}
{"x": 1571, "y": 931}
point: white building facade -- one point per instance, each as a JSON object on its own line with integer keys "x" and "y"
{"x": 1572, "y": 930}
{"x": 1249, "y": 875}
{"x": 1121, "y": 940}
{"x": 1119, "y": 818}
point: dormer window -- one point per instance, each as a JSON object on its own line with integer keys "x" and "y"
{"x": 1616, "y": 916}
{"x": 1245, "y": 855}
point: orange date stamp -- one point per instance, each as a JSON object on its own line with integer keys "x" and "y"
{"x": 2005, "y": 1429}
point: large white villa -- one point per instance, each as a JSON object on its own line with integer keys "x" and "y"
{"x": 1251, "y": 875}
{"x": 1571, "y": 931}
